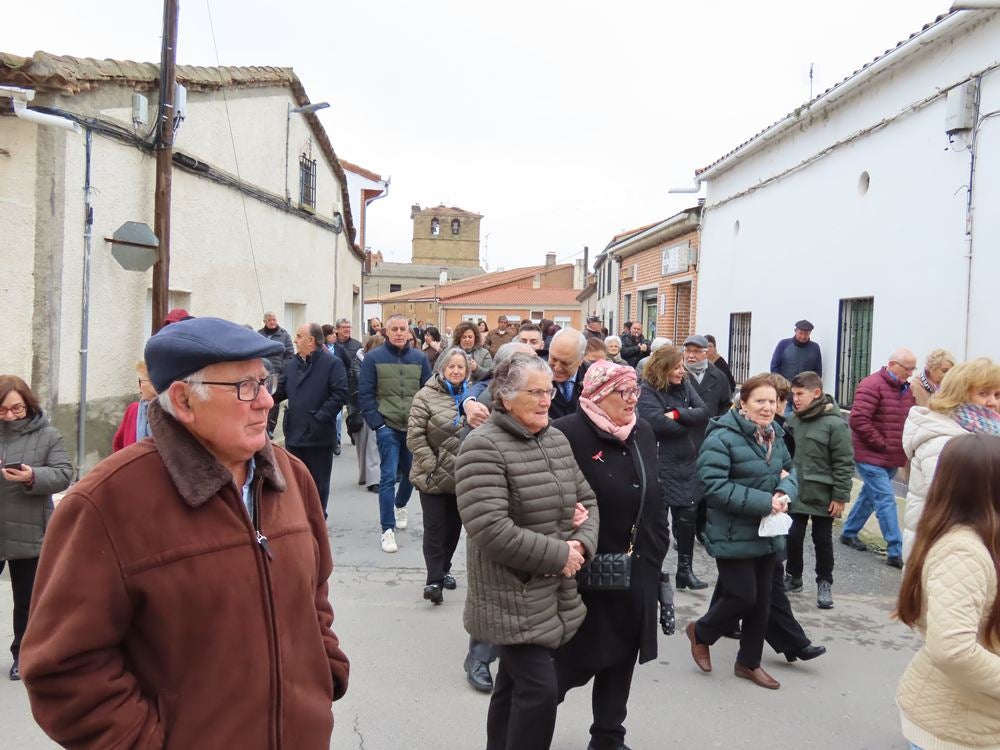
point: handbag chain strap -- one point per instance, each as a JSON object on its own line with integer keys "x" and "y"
{"x": 642, "y": 497}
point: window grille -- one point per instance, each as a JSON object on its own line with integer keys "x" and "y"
{"x": 854, "y": 346}
{"x": 456, "y": 226}
{"x": 739, "y": 345}
{"x": 307, "y": 181}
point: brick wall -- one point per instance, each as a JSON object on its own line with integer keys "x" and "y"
{"x": 642, "y": 272}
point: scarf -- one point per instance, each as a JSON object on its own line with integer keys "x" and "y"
{"x": 763, "y": 435}
{"x": 978, "y": 419}
{"x": 602, "y": 421}
{"x": 697, "y": 370}
{"x": 458, "y": 394}
{"x": 142, "y": 421}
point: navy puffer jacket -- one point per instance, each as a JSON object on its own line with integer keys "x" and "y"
{"x": 678, "y": 453}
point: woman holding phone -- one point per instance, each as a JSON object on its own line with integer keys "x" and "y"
{"x": 35, "y": 464}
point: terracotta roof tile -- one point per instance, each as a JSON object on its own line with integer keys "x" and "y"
{"x": 446, "y": 292}
{"x": 360, "y": 170}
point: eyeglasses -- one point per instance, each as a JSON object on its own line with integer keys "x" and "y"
{"x": 247, "y": 390}
{"x": 18, "y": 410}
{"x": 627, "y": 393}
{"x": 540, "y": 393}
{"x": 143, "y": 380}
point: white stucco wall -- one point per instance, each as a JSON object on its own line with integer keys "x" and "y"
{"x": 812, "y": 237}
{"x": 17, "y": 232}
{"x": 297, "y": 261}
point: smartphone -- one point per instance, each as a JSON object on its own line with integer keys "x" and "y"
{"x": 16, "y": 467}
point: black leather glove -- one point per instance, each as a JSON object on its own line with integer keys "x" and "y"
{"x": 668, "y": 619}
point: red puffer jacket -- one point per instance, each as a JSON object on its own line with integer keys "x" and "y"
{"x": 881, "y": 404}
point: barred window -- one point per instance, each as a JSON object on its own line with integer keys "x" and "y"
{"x": 307, "y": 181}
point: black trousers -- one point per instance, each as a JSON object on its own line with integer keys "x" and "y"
{"x": 744, "y": 595}
{"x": 685, "y": 522}
{"x": 609, "y": 699}
{"x": 319, "y": 461}
{"x": 483, "y": 651}
{"x": 522, "y": 713}
{"x": 442, "y": 529}
{"x": 22, "y": 581}
{"x": 822, "y": 536}
{"x": 272, "y": 416}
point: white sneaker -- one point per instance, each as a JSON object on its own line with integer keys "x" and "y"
{"x": 401, "y": 518}
{"x": 389, "y": 541}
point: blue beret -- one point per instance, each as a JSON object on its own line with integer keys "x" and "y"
{"x": 183, "y": 348}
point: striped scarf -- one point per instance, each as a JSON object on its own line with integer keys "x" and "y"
{"x": 763, "y": 435}
{"x": 975, "y": 418}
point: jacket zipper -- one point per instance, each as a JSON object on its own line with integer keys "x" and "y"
{"x": 266, "y": 557}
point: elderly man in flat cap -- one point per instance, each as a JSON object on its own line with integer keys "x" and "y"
{"x": 181, "y": 598}
{"x": 797, "y": 354}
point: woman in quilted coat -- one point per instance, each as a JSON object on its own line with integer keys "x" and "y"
{"x": 967, "y": 401}
{"x": 676, "y": 413}
{"x": 949, "y": 695}
{"x": 34, "y": 465}
{"x": 432, "y": 435}
{"x": 518, "y": 490}
{"x": 747, "y": 473}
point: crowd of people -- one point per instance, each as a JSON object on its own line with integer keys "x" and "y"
{"x": 570, "y": 458}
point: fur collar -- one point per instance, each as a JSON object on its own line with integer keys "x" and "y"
{"x": 196, "y": 473}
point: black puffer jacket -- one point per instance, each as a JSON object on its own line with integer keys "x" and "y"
{"x": 679, "y": 483}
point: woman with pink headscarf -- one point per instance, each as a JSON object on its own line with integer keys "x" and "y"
{"x": 616, "y": 452}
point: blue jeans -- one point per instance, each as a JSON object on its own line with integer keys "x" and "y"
{"x": 396, "y": 460}
{"x": 876, "y": 496}
{"x": 914, "y": 747}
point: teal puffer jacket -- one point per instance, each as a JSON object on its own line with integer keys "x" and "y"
{"x": 739, "y": 481}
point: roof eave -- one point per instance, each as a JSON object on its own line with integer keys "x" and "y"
{"x": 669, "y": 229}
{"x": 941, "y": 26}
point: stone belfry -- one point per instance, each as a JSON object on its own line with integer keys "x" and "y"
{"x": 444, "y": 236}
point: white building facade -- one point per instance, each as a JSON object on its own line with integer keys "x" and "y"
{"x": 260, "y": 222}
{"x": 607, "y": 298}
{"x": 861, "y": 212}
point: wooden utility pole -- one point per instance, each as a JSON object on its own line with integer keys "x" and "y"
{"x": 164, "y": 156}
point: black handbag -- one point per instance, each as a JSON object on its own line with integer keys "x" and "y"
{"x": 612, "y": 571}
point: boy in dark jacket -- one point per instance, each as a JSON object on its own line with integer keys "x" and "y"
{"x": 824, "y": 463}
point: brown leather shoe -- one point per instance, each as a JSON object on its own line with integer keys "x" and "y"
{"x": 699, "y": 651}
{"x": 757, "y": 676}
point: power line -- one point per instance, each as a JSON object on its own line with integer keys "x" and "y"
{"x": 236, "y": 161}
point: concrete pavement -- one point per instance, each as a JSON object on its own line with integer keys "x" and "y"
{"x": 408, "y": 689}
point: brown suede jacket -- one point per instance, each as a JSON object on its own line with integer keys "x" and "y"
{"x": 159, "y": 621}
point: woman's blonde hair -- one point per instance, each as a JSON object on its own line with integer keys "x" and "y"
{"x": 660, "y": 363}
{"x": 937, "y": 358}
{"x": 962, "y": 379}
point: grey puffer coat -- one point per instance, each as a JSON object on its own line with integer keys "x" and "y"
{"x": 432, "y": 435}
{"x": 24, "y": 511}
{"x": 516, "y": 495}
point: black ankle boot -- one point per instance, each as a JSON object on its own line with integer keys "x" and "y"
{"x": 686, "y": 579}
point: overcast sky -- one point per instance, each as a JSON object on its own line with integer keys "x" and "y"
{"x": 563, "y": 123}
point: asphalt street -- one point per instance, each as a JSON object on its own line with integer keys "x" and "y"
{"x": 408, "y": 689}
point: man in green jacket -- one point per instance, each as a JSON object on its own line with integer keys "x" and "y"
{"x": 824, "y": 463}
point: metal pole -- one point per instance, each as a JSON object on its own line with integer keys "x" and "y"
{"x": 88, "y": 236}
{"x": 164, "y": 155}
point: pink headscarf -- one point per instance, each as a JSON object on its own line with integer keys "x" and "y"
{"x": 601, "y": 378}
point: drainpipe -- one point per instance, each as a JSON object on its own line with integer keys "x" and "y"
{"x": 39, "y": 118}
{"x": 364, "y": 263}
{"x": 88, "y": 234}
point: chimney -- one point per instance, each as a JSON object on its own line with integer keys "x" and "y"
{"x": 414, "y": 210}
{"x": 443, "y": 275}
{"x": 579, "y": 273}
{"x": 550, "y": 259}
